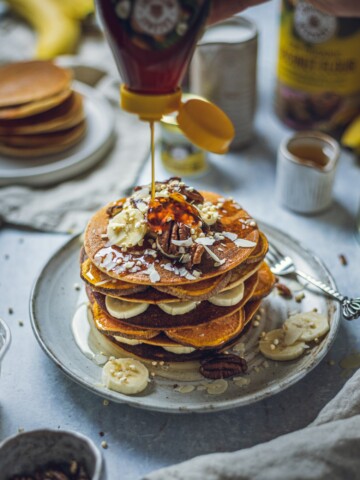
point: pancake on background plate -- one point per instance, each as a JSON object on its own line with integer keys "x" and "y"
{"x": 36, "y": 100}
{"x": 176, "y": 278}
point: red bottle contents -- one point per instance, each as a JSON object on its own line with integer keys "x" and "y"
{"x": 152, "y": 40}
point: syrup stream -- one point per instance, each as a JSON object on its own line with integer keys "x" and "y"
{"x": 152, "y": 147}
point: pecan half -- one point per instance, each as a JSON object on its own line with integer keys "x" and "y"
{"x": 196, "y": 253}
{"x": 114, "y": 209}
{"x": 192, "y": 195}
{"x": 223, "y": 366}
{"x": 283, "y": 290}
{"x": 173, "y": 231}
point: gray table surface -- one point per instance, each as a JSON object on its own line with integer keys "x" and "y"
{"x": 35, "y": 394}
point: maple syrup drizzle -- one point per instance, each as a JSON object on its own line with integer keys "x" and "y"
{"x": 174, "y": 208}
{"x": 152, "y": 148}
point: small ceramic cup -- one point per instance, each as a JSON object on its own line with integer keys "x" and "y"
{"x": 306, "y": 167}
{"x": 27, "y": 451}
{"x": 5, "y": 339}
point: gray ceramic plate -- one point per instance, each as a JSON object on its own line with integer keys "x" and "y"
{"x": 53, "y": 303}
{"x": 89, "y": 151}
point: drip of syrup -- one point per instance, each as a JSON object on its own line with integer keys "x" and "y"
{"x": 173, "y": 208}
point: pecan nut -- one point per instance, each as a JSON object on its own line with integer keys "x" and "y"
{"x": 114, "y": 209}
{"x": 223, "y": 366}
{"x": 173, "y": 231}
{"x": 196, "y": 253}
{"x": 283, "y": 290}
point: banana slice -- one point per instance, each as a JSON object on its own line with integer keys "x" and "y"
{"x": 209, "y": 213}
{"x": 178, "y": 308}
{"x": 229, "y": 297}
{"x": 307, "y": 325}
{"x": 127, "y": 341}
{"x": 127, "y": 228}
{"x": 122, "y": 310}
{"x": 125, "y": 375}
{"x": 179, "y": 350}
{"x": 273, "y": 346}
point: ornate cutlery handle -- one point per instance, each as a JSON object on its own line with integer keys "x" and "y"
{"x": 350, "y": 306}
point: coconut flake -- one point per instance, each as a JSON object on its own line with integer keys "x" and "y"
{"x": 183, "y": 243}
{"x": 152, "y": 253}
{"x": 142, "y": 193}
{"x": 214, "y": 256}
{"x": 153, "y": 274}
{"x": 241, "y": 242}
{"x": 231, "y": 236}
{"x": 205, "y": 241}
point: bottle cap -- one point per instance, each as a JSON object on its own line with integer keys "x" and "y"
{"x": 202, "y": 122}
{"x": 149, "y": 107}
{"x": 206, "y": 125}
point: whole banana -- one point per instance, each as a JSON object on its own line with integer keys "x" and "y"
{"x": 351, "y": 136}
{"x": 78, "y": 9}
{"x": 57, "y": 33}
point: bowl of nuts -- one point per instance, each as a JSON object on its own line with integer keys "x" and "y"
{"x": 5, "y": 339}
{"x": 50, "y": 454}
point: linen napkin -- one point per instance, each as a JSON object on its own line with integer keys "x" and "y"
{"x": 66, "y": 207}
{"x": 329, "y": 448}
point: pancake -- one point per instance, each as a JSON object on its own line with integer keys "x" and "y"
{"x": 154, "y": 352}
{"x": 260, "y": 251}
{"x": 266, "y": 282}
{"x": 210, "y": 335}
{"x": 66, "y": 115}
{"x": 102, "y": 283}
{"x": 67, "y": 140}
{"x": 155, "y": 318}
{"x": 41, "y": 140}
{"x": 106, "y": 324}
{"x": 30, "y": 81}
{"x": 32, "y": 108}
{"x": 202, "y": 290}
{"x": 240, "y": 274}
{"x": 105, "y": 256}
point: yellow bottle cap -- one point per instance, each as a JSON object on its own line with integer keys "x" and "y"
{"x": 206, "y": 125}
{"x": 149, "y": 107}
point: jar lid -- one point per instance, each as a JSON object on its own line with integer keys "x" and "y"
{"x": 206, "y": 125}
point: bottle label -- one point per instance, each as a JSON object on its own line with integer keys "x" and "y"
{"x": 156, "y": 24}
{"x": 318, "y": 52}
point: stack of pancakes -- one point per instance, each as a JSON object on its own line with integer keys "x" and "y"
{"x": 157, "y": 299}
{"x": 40, "y": 114}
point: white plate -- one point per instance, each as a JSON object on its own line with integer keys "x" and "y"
{"x": 91, "y": 149}
{"x": 53, "y": 304}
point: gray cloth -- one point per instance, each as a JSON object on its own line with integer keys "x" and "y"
{"x": 67, "y": 207}
{"x": 329, "y": 448}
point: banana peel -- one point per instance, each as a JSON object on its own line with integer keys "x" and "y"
{"x": 351, "y": 136}
{"x": 57, "y": 34}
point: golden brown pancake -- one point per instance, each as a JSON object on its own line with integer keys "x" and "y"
{"x": 155, "y": 318}
{"x": 100, "y": 282}
{"x": 32, "y": 108}
{"x": 266, "y": 282}
{"x": 96, "y": 248}
{"x": 210, "y": 335}
{"x": 106, "y": 324}
{"x": 154, "y": 352}
{"x": 64, "y": 141}
{"x": 260, "y": 251}
{"x": 66, "y": 115}
{"x": 25, "y": 82}
{"x": 202, "y": 290}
